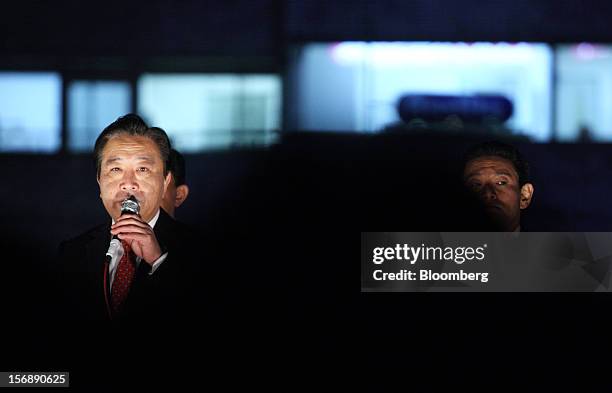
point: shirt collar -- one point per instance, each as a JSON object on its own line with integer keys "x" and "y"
{"x": 154, "y": 219}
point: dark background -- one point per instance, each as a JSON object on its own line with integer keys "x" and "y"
{"x": 289, "y": 217}
{"x": 262, "y": 28}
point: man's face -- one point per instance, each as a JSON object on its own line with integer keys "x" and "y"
{"x": 132, "y": 165}
{"x": 496, "y": 183}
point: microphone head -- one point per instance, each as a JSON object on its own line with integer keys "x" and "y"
{"x": 130, "y": 205}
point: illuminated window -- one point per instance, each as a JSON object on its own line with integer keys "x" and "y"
{"x": 209, "y": 111}
{"x": 355, "y": 86}
{"x": 92, "y": 105}
{"x": 584, "y": 92}
{"x": 30, "y": 112}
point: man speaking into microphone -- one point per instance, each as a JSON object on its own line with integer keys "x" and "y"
{"x": 147, "y": 275}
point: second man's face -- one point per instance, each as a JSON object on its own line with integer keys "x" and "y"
{"x": 496, "y": 183}
{"x": 132, "y": 165}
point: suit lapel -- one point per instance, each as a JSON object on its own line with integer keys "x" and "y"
{"x": 96, "y": 247}
{"x": 163, "y": 229}
{"x": 96, "y": 250}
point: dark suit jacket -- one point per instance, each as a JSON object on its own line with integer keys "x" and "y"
{"x": 169, "y": 293}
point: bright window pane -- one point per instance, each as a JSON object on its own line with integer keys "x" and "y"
{"x": 204, "y": 111}
{"x": 30, "y": 112}
{"x": 355, "y": 86}
{"x": 584, "y": 92}
{"x": 92, "y": 105}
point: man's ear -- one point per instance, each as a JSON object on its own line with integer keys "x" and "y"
{"x": 526, "y": 195}
{"x": 182, "y": 192}
{"x": 167, "y": 181}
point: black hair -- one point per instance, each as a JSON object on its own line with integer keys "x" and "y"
{"x": 503, "y": 150}
{"x": 177, "y": 167}
{"x": 132, "y": 124}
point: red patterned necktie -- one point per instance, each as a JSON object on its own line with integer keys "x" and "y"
{"x": 124, "y": 275}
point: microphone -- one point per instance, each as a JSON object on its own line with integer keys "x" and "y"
{"x": 129, "y": 205}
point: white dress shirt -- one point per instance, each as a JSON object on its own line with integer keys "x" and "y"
{"x": 112, "y": 268}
